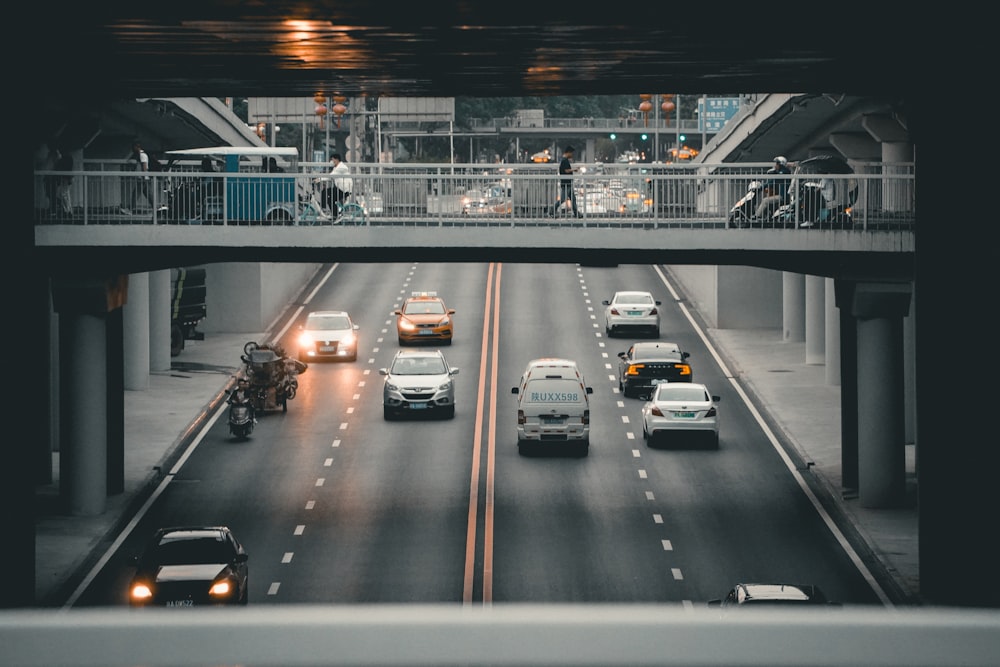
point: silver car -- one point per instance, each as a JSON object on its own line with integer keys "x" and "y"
{"x": 328, "y": 334}
{"x": 680, "y": 408}
{"x": 632, "y": 311}
{"x": 418, "y": 382}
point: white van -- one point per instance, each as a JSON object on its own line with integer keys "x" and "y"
{"x": 553, "y": 405}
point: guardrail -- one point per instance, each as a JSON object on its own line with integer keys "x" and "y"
{"x": 646, "y": 195}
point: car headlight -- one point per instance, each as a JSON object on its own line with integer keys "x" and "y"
{"x": 445, "y": 322}
{"x": 391, "y": 387}
{"x": 406, "y": 325}
{"x": 348, "y": 339}
{"x": 141, "y": 592}
{"x": 445, "y": 386}
{"x": 305, "y": 340}
{"x": 222, "y": 588}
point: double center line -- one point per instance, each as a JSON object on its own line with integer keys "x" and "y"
{"x": 487, "y": 369}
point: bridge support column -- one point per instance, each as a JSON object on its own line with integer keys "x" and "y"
{"x": 831, "y": 337}
{"x": 879, "y": 309}
{"x": 159, "y": 321}
{"x": 136, "y": 325}
{"x": 793, "y": 306}
{"x": 88, "y": 311}
{"x": 814, "y": 320}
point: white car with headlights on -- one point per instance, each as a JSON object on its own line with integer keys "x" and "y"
{"x": 678, "y": 409}
{"x": 328, "y": 334}
{"x": 418, "y": 382}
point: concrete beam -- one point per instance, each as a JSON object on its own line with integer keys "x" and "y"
{"x": 884, "y": 128}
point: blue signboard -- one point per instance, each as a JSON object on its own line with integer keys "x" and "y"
{"x": 713, "y": 112}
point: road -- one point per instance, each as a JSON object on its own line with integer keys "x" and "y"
{"x": 334, "y": 504}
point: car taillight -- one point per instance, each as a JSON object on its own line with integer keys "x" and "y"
{"x": 633, "y": 369}
{"x": 614, "y": 311}
{"x": 684, "y": 369}
{"x": 586, "y": 417}
{"x": 656, "y": 411}
{"x": 520, "y": 417}
{"x": 652, "y": 311}
{"x": 711, "y": 412}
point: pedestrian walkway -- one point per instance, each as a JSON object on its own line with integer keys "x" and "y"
{"x": 804, "y": 409}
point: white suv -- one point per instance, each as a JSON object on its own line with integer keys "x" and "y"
{"x": 418, "y": 381}
{"x": 553, "y": 405}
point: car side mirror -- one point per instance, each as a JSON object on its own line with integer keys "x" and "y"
{"x": 383, "y": 371}
{"x": 659, "y": 303}
{"x": 451, "y": 311}
{"x": 514, "y": 390}
{"x": 242, "y": 557}
{"x": 685, "y": 355}
{"x": 606, "y": 303}
{"x": 357, "y": 327}
{"x": 590, "y": 390}
{"x": 453, "y": 371}
{"x": 716, "y": 399}
{"x": 621, "y": 355}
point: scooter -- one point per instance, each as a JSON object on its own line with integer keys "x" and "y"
{"x": 241, "y": 416}
{"x": 822, "y": 194}
{"x": 743, "y": 214}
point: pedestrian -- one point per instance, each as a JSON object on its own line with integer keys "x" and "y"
{"x": 566, "y": 192}
{"x": 141, "y": 183}
{"x": 342, "y": 183}
{"x": 63, "y": 206}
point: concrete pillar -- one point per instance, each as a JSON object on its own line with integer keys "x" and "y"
{"x": 831, "y": 339}
{"x": 879, "y": 309}
{"x": 136, "y": 335}
{"x": 83, "y": 460}
{"x": 793, "y": 307}
{"x": 897, "y": 195}
{"x": 159, "y": 321}
{"x": 815, "y": 310}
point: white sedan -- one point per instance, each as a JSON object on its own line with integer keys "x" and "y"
{"x": 632, "y": 311}
{"x": 680, "y": 408}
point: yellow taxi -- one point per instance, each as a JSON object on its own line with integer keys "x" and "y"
{"x": 424, "y": 317}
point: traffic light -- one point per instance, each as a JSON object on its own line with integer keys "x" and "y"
{"x": 683, "y": 137}
{"x": 645, "y": 136}
{"x": 613, "y": 136}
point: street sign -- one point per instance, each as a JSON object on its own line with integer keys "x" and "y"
{"x": 713, "y": 112}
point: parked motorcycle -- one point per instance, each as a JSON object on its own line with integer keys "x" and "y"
{"x": 241, "y": 411}
{"x": 817, "y": 200}
{"x": 744, "y": 212}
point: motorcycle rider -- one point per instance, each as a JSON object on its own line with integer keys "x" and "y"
{"x": 777, "y": 187}
{"x": 241, "y": 395}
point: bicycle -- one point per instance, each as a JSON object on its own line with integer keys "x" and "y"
{"x": 350, "y": 212}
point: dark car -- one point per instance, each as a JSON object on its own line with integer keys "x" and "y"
{"x": 190, "y": 567}
{"x": 649, "y": 362}
{"x": 758, "y": 594}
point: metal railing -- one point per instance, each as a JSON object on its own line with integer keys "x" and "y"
{"x": 646, "y": 195}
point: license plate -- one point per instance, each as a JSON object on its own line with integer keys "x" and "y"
{"x": 552, "y": 420}
{"x": 426, "y": 332}
{"x": 180, "y": 603}
{"x": 327, "y": 348}
{"x": 684, "y": 415}
{"x": 635, "y": 313}
{"x": 418, "y": 406}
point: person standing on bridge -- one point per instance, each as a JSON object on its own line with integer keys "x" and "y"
{"x": 141, "y": 184}
{"x": 566, "y": 192}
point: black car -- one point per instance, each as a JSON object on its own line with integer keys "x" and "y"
{"x": 649, "y": 362}
{"x": 190, "y": 567}
{"x": 758, "y": 594}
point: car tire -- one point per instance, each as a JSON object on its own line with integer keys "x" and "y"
{"x": 609, "y": 332}
{"x": 402, "y": 342}
{"x": 584, "y": 450}
{"x": 388, "y": 415}
{"x": 714, "y": 441}
{"x": 656, "y": 332}
{"x": 449, "y": 412}
{"x": 447, "y": 341}
{"x": 522, "y": 449}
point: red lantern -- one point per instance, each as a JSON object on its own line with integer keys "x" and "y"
{"x": 319, "y": 98}
{"x": 645, "y": 107}
{"x": 321, "y": 110}
{"x": 339, "y": 110}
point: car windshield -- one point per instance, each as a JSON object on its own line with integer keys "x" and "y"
{"x": 326, "y": 322}
{"x": 644, "y": 299}
{"x": 418, "y": 366}
{"x": 424, "y": 308}
{"x": 193, "y": 551}
{"x": 681, "y": 392}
